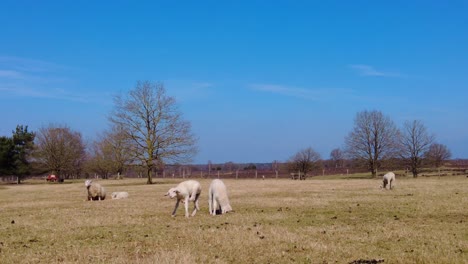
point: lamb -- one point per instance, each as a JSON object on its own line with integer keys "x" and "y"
{"x": 218, "y": 198}
{"x": 187, "y": 191}
{"x": 95, "y": 191}
{"x": 388, "y": 178}
{"x": 119, "y": 195}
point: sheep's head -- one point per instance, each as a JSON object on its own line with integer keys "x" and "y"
{"x": 113, "y": 195}
{"x": 88, "y": 183}
{"x": 172, "y": 192}
{"x": 226, "y": 209}
{"x": 385, "y": 182}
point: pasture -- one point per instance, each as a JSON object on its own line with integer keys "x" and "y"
{"x": 319, "y": 220}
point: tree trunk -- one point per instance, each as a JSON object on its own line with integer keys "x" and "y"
{"x": 150, "y": 176}
{"x": 58, "y": 173}
{"x": 414, "y": 167}
{"x": 372, "y": 168}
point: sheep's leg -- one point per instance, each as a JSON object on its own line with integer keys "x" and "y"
{"x": 195, "y": 203}
{"x": 186, "y": 206}
{"x": 215, "y": 205}
{"x": 196, "y": 200}
{"x": 192, "y": 196}
{"x": 175, "y": 208}
{"x": 390, "y": 184}
{"x": 197, "y": 207}
{"x": 210, "y": 203}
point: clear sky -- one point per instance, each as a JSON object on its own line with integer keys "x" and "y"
{"x": 258, "y": 80}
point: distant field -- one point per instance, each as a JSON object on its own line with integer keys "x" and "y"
{"x": 334, "y": 220}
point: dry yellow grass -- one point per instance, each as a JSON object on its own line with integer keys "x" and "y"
{"x": 422, "y": 220}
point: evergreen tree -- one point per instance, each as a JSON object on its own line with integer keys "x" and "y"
{"x": 15, "y": 152}
{"x": 6, "y": 156}
{"x": 23, "y": 142}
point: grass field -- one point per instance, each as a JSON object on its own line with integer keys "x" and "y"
{"x": 422, "y": 220}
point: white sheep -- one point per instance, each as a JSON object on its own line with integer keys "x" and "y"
{"x": 95, "y": 191}
{"x": 187, "y": 191}
{"x": 388, "y": 179}
{"x": 218, "y": 197}
{"x": 119, "y": 195}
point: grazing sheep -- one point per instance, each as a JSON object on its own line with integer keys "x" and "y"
{"x": 187, "y": 191}
{"x": 119, "y": 195}
{"x": 218, "y": 198}
{"x": 388, "y": 179}
{"x": 95, "y": 191}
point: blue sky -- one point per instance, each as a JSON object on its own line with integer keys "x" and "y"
{"x": 258, "y": 80}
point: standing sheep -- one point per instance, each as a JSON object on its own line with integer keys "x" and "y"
{"x": 388, "y": 179}
{"x": 95, "y": 191}
{"x": 218, "y": 197}
{"x": 187, "y": 191}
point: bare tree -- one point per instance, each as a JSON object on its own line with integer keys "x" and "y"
{"x": 374, "y": 138}
{"x": 153, "y": 124}
{"x": 337, "y": 156}
{"x": 99, "y": 160}
{"x": 437, "y": 154}
{"x": 61, "y": 150}
{"x": 119, "y": 145}
{"x": 304, "y": 161}
{"x": 110, "y": 153}
{"x": 415, "y": 140}
{"x": 275, "y": 167}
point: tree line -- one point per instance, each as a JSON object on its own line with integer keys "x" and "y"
{"x": 376, "y": 139}
{"x": 147, "y": 131}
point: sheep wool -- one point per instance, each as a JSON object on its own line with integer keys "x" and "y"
{"x": 186, "y": 191}
{"x": 119, "y": 195}
{"x": 218, "y": 197}
{"x": 388, "y": 179}
{"x": 95, "y": 191}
